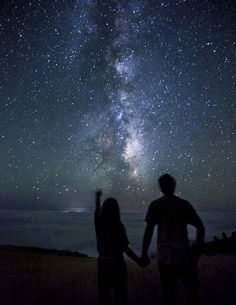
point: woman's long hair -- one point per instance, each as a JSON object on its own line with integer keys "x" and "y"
{"x": 110, "y": 211}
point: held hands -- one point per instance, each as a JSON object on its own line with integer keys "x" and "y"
{"x": 144, "y": 261}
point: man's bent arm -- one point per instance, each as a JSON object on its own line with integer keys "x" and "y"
{"x": 200, "y": 233}
{"x": 196, "y": 221}
{"x": 147, "y": 239}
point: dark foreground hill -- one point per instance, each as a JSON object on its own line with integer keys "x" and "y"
{"x": 33, "y": 276}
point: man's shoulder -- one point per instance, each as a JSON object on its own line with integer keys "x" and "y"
{"x": 165, "y": 199}
{"x": 156, "y": 202}
{"x": 181, "y": 200}
{"x": 162, "y": 201}
{"x": 153, "y": 211}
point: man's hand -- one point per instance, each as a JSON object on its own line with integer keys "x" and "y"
{"x": 196, "y": 252}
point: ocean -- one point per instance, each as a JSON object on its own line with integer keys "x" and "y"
{"x": 74, "y": 230}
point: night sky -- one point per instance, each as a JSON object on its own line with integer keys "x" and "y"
{"x": 113, "y": 94}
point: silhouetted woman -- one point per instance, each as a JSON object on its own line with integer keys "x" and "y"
{"x": 112, "y": 242}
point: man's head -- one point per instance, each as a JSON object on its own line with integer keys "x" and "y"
{"x": 167, "y": 184}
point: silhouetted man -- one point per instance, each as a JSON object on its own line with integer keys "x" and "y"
{"x": 172, "y": 215}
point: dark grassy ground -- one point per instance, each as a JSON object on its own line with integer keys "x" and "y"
{"x": 48, "y": 279}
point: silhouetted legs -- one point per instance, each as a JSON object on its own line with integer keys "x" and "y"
{"x": 169, "y": 275}
{"x": 104, "y": 290}
{"x": 188, "y": 276}
{"x": 112, "y": 280}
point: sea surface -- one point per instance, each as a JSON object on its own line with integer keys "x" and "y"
{"x": 74, "y": 229}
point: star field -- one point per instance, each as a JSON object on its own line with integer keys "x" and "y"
{"x": 113, "y": 94}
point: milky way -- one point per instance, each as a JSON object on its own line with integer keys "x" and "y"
{"x": 112, "y": 94}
